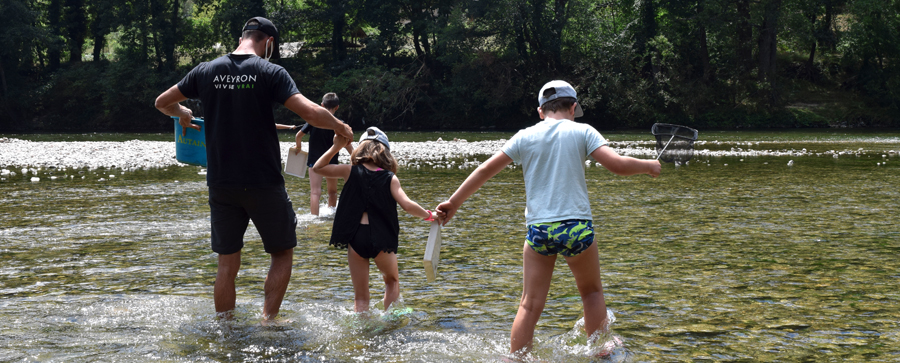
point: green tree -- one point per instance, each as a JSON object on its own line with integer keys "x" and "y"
{"x": 229, "y": 17}
{"x": 75, "y": 21}
{"x": 102, "y": 16}
{"x": 18, "y": 39}
{"x": 873, "y": 48}
{"x": 54, "y": 24}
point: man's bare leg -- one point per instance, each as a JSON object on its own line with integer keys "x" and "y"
{"x": 223, "y": 293}
{"x": 277, "y": 282}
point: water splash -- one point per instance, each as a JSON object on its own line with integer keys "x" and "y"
{"x": 307, "y": 219}
{"x": 575, "y": 346}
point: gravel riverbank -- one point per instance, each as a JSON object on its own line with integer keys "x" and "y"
{"x": 137, "y": 154}
{"x": 160, "y": 154}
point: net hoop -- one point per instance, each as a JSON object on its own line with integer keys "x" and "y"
{"x": 674, "y": 143}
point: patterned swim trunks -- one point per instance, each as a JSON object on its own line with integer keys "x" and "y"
{"x": 568, "y": 238}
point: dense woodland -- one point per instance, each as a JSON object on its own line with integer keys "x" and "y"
{"x": 97, "y": 65}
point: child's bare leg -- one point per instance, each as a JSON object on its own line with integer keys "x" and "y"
{"x": 315, "y": 192}
{"x": 586, "y": 268}
{"x": 387, "y": 264}
{"x": 331, "y": 185}
{"x": 359, "y": 274}
{"x": 538, "y": 271}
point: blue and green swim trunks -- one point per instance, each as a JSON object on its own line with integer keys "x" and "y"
{"x": 568, "y": 238}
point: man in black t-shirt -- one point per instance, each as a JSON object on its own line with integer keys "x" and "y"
{"x": 244, "y": 177}
{"x": 320, "y": 140}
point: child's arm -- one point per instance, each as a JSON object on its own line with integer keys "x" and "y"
{"x": 285, "y": 127}
{"x": 407, "y": 204}
{"x": 299, "y": 139}
{"x": 349, "y": 148}
{"x": 322, "y": 166}
{"x": 625, "y": 165}
{"x": 481, "y": 175}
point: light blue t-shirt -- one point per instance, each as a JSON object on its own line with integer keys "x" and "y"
{"x": 552, "y": 154}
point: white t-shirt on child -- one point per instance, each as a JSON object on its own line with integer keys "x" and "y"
{"x": 552, "y": 155}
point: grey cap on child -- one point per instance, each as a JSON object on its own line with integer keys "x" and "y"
{"x": 373, "y": 133}
{"x": 556, "y": 90}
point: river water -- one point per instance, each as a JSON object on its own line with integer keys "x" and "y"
{"x": 736, "y": 256}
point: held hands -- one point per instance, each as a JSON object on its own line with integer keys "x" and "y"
{"x": 341, "y": 141}
{"x": 445, "y": 212}
{"x": 345, "y": 131}
{"x": 432, "y": 217}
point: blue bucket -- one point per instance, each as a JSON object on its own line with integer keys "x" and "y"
{"x": 190, "y": 148}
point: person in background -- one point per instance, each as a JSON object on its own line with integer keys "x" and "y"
{"x": 320, "y": 140}
{"x": 286, "y": 127}
{"x": 366, "y": 221}
{"x": 238, "y": 92}
{"x": 557, "y": 209}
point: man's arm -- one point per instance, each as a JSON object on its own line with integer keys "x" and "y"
{"x": 317, "y": 115}
{"x": 168, "y": 104}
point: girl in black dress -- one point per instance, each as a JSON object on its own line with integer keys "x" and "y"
{"x": 366, "y": 221}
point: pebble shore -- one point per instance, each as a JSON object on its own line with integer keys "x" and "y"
{"x": 137, "y": 154}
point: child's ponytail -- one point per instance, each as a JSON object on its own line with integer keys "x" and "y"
{"x": 370, "y": 151}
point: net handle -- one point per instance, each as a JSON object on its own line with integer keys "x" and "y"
{"x": 664, "y": 147}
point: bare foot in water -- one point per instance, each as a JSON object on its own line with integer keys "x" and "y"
{"x": 608, "y": 347}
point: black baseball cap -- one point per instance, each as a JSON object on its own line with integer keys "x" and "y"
{"x": 264, "y": 25}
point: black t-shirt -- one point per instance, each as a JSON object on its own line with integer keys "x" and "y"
{"x": 320, "y": 140}
{"x": 238, "y": 92}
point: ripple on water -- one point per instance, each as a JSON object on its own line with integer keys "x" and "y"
{"x": 756, "y": 261}
{"x": 182, "y": 328}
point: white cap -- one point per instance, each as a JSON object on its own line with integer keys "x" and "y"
{"x": 373, "y": 133}
{"x": 560, "y": 89}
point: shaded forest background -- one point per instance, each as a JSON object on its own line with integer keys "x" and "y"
{"x": 97, "y": 65}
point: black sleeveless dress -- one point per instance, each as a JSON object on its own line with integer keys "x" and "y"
{"x": 367, "y": 191}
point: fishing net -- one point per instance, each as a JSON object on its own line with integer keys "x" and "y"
{"x": 674, "y": 143}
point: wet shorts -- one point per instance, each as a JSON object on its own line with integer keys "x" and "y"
{"x": 270, "y": 209}
{"x": 312, "y": 162}
{"x": 567, "y": 238}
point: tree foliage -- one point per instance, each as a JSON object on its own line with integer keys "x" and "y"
{"x": 468, "y": 64}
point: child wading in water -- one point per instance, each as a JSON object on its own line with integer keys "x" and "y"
{"x": 558, "y": 212}
{"x": 366, "y": 221}
{"x": 319, "y": 141}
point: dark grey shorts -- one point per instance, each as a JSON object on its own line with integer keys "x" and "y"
{"x": 270, "y": 209}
